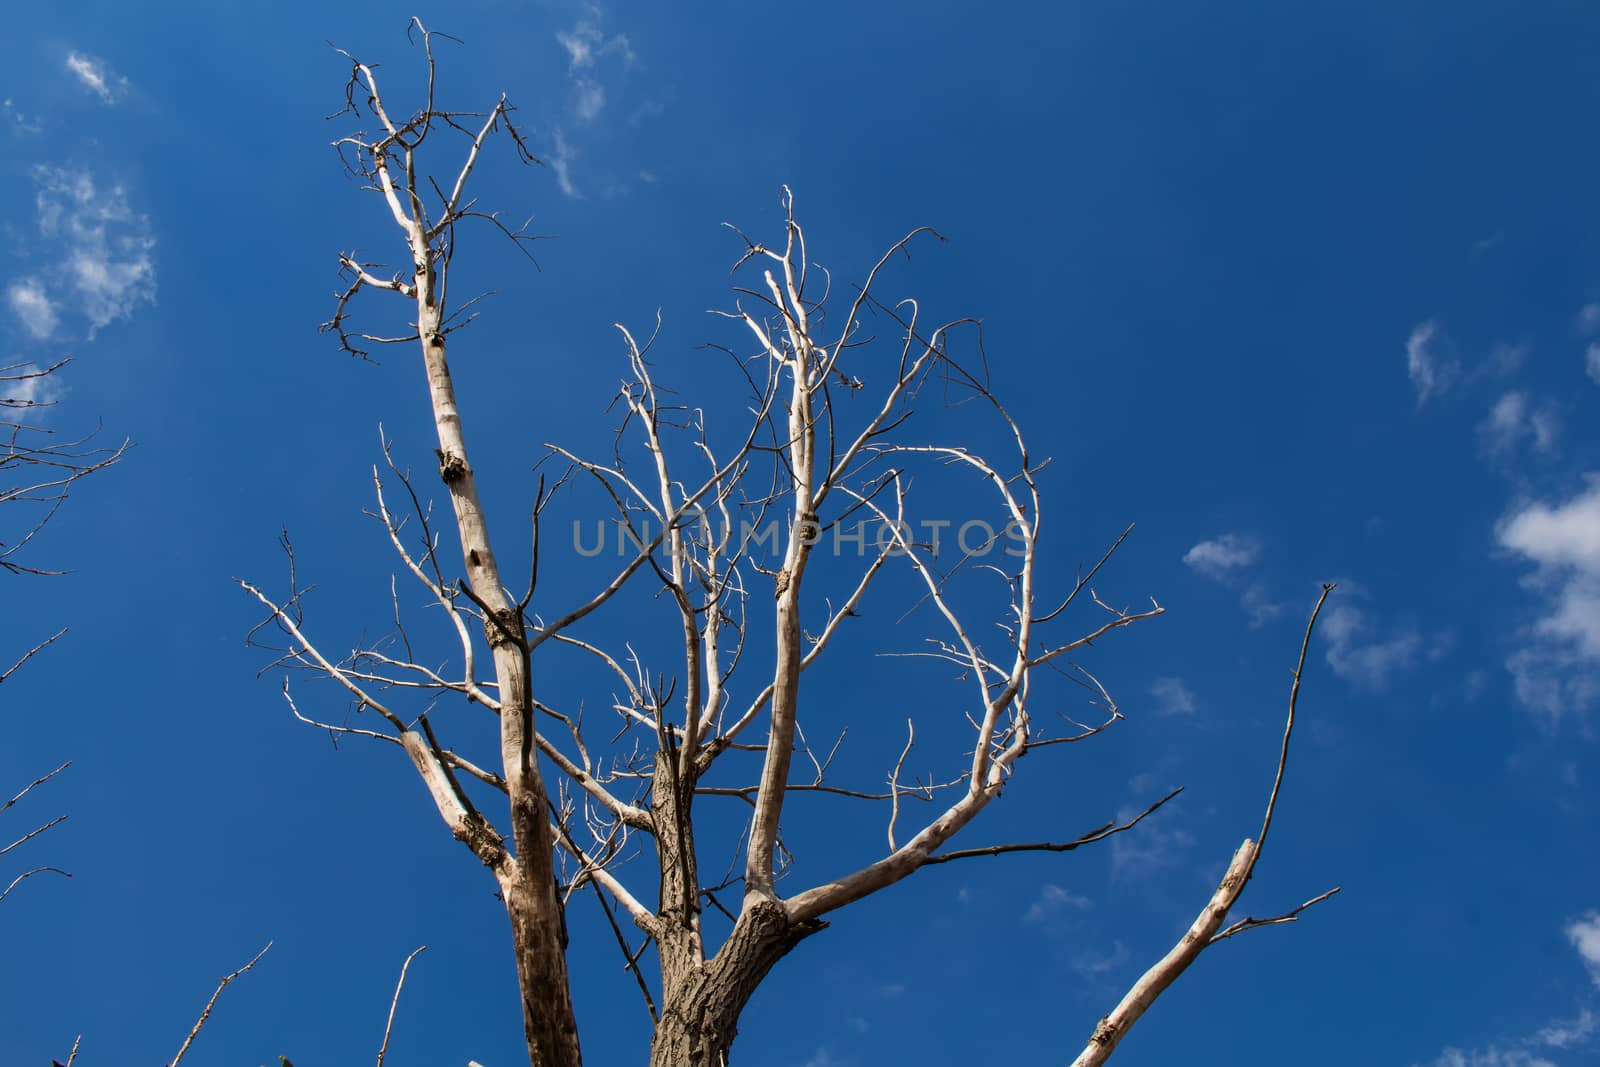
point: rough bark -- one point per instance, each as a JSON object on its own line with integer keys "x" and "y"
{"x": 700, "y": 1016}
{"x": 702, "y": 999}
{"x": 547, "y": 1019}
{"x": 678, "y": 937}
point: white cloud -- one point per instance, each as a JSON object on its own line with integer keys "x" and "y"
{"x": 591, "y": 99}
{"x": 1174, "y": 697}
{"x": 1359, "y": 658}
{"x": 1584, "y": 934}
{"x": 580, "y": 52}
{"x": 1220, "y": 555}
{"x": 1053, "y": 902}
{"x": 601, "y": 110}
{"x": 1431, "y": 371}
{"x": 1557, "y": 672}
{"x": 1552, "y": 681}
{"x": 97, "y": 76}
{"x": 1589, "y": 317}
{"x": 823, "y": 1058}
{"x": 1493, "y": 1056}
{"x": 107, "y": 259}
{"x": 1515, "y": 419}
{"x": 32, "y": 307}
{"x": 561, "y": 163}
{"x": 1592, "y": 362}
{"x": 586, "y": 45}
{"x": 1569, "y": 1032}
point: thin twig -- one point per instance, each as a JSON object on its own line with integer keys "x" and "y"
{"x": 206, "y": 1014}
{"x": 1097, "y": 834}
{"x": 383, "y": 1049}
{"x": 19, "y": 879}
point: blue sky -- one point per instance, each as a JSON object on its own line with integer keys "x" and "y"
{"x": 1308, "y": 292}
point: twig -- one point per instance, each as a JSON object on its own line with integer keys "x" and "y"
{"x": 383, "y": 1049}
{"x": 29, "y": 874}
{"x": 204, "y": 1015}
{"x": 1098, "y": 834}
{"x": 26, "y": 656}
{"x": 1290, "y": 916}
{"x": 1203, "y": 932}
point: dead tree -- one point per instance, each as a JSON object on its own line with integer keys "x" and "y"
{"x": 733, "y": 519}
{"x": 37, "y": 472}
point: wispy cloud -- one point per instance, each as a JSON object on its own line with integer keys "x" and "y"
{"x": 589, "y": 101}
{"x": 1584, "y": 933}
{"x": 595, "y": 154}
{"x": 1566, "y": 1033}
{"x": 106, "y": 249}
{"x": 1221, "y": 556}
{"x": 1589, "y": 317}
{"x": 1259, "y": 605}
{"x": 1053, "y": 902}
{"x": 1515, "y": 419}
{"x": 1172, "y": 696}
{"x": 1559, "y": 669}
{"x": 560, "y": 161}
{"x": 589, "y": 50}
{"x": 587, "y": 42}
{"x": 1097, "y": 964}
{"x": 1591, "y": 361}
{"x": 19, "y": 122}
{"x": 1225, "y": 558}
{"x": 1493, "y": 1056}
{"x": 1150, "y": 848}
{"x": 97, "y": 76}
{"x": 32, "y": 307}
{"x": 1506, "y": 359}
{"x": 1431, "y": 370}
{"x": 1357, "y": 655}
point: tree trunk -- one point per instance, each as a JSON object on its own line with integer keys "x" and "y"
{"x": 547, "y": 1019}
{"x": 527, "y": 879}
{"x": 700, "y": 1017}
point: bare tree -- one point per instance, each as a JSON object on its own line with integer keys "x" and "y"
{"x": 37, "y": 472}
{"x": 733, "y": 522}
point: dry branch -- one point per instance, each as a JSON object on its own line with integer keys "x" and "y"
{"x": 1203, "y": 933}
{"x": 205, "y": 1012}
